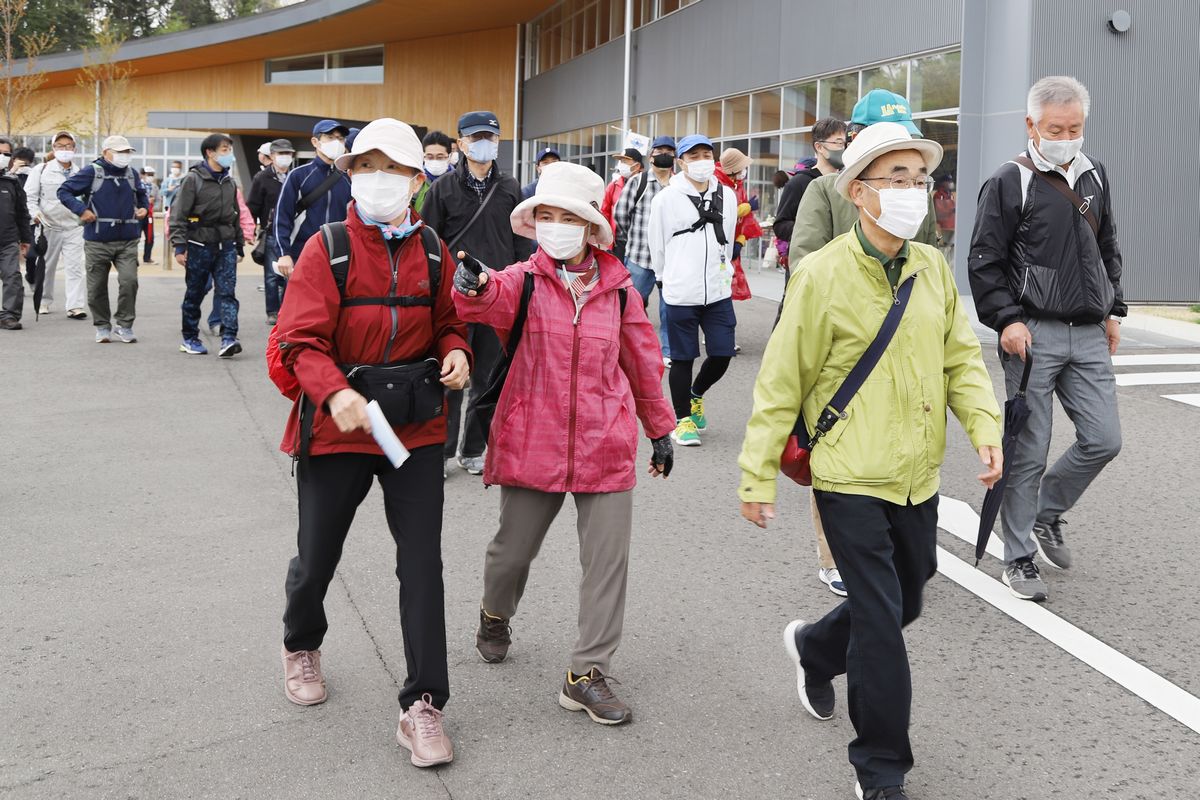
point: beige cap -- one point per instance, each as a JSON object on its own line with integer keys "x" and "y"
{"x": 118, "y": 144}
{"x": 734, "y": 161}
{"x": 64, "y": 135}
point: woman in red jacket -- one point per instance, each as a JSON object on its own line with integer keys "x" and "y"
{"x": 390, "y": 331}
{"x": 586, "y": 369}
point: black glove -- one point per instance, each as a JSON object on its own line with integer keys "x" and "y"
{"x": 737, "y": 251}
{"x": 659, "y": 285}
{"x": 466, "y": 277}
{"x": 241, "y": 249}
{"x": 664, "y": 454}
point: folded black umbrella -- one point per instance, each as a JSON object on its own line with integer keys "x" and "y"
{"x": 38, "y": 279}
{"x": 1016, "y": 414}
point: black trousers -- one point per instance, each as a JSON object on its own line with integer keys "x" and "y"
{"x": 886, "y": 554}
{"x": 485, "y": 347}
{"x": 331, "y": 487}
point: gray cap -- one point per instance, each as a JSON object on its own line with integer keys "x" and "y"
{"x": 282, "y": 146}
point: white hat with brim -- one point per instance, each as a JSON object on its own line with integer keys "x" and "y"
{"x": 118, "y": 144}
{"x": 395, "y": 139}
{"x": 877, "y": 140}
{"x": 571, "y": 187}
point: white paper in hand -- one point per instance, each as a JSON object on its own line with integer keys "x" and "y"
{"x": 384, "y": 436}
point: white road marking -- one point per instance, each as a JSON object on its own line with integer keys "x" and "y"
{"x": 958, "y": 518}
{"x": 1146, "y": 684}
{"x": 1190, "y": 399}
{"x": 1164, "y": 360}
{"x": 1157, "y": 378}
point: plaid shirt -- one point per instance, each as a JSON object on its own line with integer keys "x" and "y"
{"x": 634, "y": 222}
{"x": 480, "y": 186}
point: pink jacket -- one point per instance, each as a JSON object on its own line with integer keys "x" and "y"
{"x": 565, "y": 421}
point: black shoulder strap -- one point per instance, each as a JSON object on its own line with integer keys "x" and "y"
{"x": 307, "y": 200}
{"x": 337, "y": 244}
{"x": 1059, "y": 184}
{"x": 433, "y": 257}
{"x": 623, "y": 298}
{"x": 495, "y": 185}
{"x": 711, "y": 211}
{"x": 641, "y": 190}
{"x": 518, "y": 328}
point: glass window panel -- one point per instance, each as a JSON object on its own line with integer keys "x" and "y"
{"x": 667, "y": 6}
{"x": 799, "y": 105}
{"x": 664, "y": 124}
{"x": 685, "y": 121}
{"x": 893, "y": 77}
{"x": 943, "y": 130}
{"x": 605, "y": 31}
{"x": 176, "y": 146}
{"x": 935, "y": 82}
{"x": 302, "y": 69}
{"x": 356, "y": 66}
{"x": 736, "y": 120}
{"x": 795, "y": 147}
{"x": 710, "y": 120}
{"x": 580, "y": 28}
{"x": 837, "y": 96}
{"x": 154, "y": 146}
{"x": 643, "y": 12}
{"x": 642, "y": 125}
{"x": 764, "y": 111}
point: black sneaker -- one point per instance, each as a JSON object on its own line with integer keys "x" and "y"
{"x": 886, "y": 793}
{"x": 493, "y": 638}
{"x": 1049, "y": 538}
{"x": 9, "y": 325}
{"x": 817, "y": 697}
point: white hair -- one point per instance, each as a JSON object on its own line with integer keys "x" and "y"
{"x": 1056, "y": 90}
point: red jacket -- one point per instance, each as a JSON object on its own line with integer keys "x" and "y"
{"x": 747, "y": 225}
{"x": 567, "y": 419}
{"x": 612, "y": 193}
{"x": 316, "y": 334}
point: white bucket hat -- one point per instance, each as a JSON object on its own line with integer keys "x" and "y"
{"x": 395, "y": 139}
{"x": 880, "y": 138}
{"x": 572, "y": 187}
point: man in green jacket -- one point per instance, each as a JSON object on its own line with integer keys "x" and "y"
{"x": 876, "y": 473}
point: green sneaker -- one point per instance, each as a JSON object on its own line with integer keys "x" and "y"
{"x": 685, "y": 433}
{"x": 698, "y": 413}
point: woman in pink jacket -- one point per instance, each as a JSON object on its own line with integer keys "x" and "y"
{"x": 586, "y": 368}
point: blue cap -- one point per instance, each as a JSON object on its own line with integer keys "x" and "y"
{"x": 549, "y": 151}
{"x": 880, "y": 105}
{"x": 329, "y": 126}
{"x": 693, "y": 141}
{"x": 663, "y": 141}
{"x": 477, "y": 121}
{"x": 350, "y": 137}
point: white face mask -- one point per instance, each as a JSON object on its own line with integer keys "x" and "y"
{"x": 5, "y": 160}
{"x": 624, "y": 170}
{"x": 121, "y": 159}
{"x": 454, "y": 159}
{"x": 64, "y": 156}
{"x": 560, "y": 240}
{"x": 382, "y": 196}
{"x": 901, "y": 211}
{"x": 283, "y": 161}
{"x": 701, "y": 171}
{"x": 1060, "y": 151}
{"x": 483, "y": 151}
{"x": 437, "y": 167}
{"x": 176, "y": 172}
{"x": 333, "y": 148}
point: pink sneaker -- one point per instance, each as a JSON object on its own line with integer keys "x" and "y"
{"x": 303, "y": 682}
{"x": 421, "y": 731}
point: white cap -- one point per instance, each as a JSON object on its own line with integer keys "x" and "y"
{"x": 882, "y": 137}
{"x": 572, "y": 187}
{"x": 264, "y": 149}
{"x": 395, "y": 139}
{"x": 118, "y": 144}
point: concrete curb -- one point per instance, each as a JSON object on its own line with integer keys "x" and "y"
{"x": 1177, "y": 329}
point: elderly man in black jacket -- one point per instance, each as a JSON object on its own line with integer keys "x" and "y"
{"x": 16, "y": 236}
{"x": 470, "y": 208}
{"x": 1045, "y": 270}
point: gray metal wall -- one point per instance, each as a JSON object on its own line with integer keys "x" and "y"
{"x": 722, "y": 47}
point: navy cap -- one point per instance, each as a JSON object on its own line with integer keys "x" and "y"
{"x": 329, "y": 126}
{"x": 350, "y": 136}
{"x": 549, "y": 151}
{"x": 477, "y": 121}
{"x": 663, "y": 141}
{"x": 694, "y": 141}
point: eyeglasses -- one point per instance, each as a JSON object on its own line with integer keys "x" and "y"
{"x": 839, "y": 142}
{"x": 905, "y": 182}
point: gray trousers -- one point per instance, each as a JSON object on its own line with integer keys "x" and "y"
{"x": 1073, "y": 363}
{"x": 12, "y": 287}
{"x": 605, "y": 524}
{"x": 100, "y": 258}
{"x": 65, "y": 246}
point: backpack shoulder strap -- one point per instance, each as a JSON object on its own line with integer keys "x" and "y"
{"x": 433, "y": 256}
{"x": 622, "y": 298}
{"x": 641, "y": 190}
{"x": 337, "y": 244}
{"x": 518, "y": 328}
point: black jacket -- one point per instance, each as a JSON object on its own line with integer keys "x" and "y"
{"x": 205, "y": 210}
{"x": 1034, "y": 255}
{"x": 263, "y": 195}
{"x": 14, "y": 213}
{"x": 789, "y": 202}
{"x": 450, "y": 205}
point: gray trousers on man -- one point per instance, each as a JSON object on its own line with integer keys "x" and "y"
{"x": 12, "y": 290}
{"x": 1073, "y": 362}
{"x": 605, "y": 524}
{"x": 101, "y": 257}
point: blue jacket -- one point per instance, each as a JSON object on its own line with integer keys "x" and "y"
{"x": 291, "y": 229}
{"x": 114, "y": 203}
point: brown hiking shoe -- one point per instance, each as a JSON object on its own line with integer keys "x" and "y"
{"x": 591, "y": 693}
{"x": 493, "y": 638}
{"x": 420, "y": 731}
{"x": 303, "y": 682}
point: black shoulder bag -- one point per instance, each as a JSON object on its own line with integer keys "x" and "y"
{"x": 622, "y": 239}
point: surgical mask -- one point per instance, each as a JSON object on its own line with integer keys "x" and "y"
{"x": 483, "y": 151}
{"x": 64, "y": 156}
{"x": 741, "y": 176}
{"x": 1061, "y": 151}
{"x": 121, "y": 159}
{"x": 333, "y": 148}
{"x": 700, "y": 171}
{"x": 382, "y": 196}
{"x": 225, "y": 160}
{"x": 5, "y": 160}
{"x": 454, "y": 159}
{"x": 901, "y": 211}
{"x": 834, "y": 157}
{"x": 437, "y": 167}
{"x": 624, "y": 170}
{"x": 283, "y": 161}
{"x": 176, "y": 172}
{"x": 560, "y": 240}
{"x": 663, "y": 160}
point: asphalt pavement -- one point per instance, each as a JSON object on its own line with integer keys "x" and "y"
{"x": 147, "y": 517}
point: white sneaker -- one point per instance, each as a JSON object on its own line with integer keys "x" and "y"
{"x": 45, "y": 309}
{"x": 833, "y": 579}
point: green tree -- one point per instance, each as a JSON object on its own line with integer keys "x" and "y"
{"x": 187, "y": 14}
{"x": 70, "y": 21}
{"x": 132, "y": 19}
{"x": 17, "y": 87}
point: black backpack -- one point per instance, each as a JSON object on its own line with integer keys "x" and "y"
{"x": 711, "y": 212}
{"x": 337, "y": 244}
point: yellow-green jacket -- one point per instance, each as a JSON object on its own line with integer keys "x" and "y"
{"x": 892, "y": 442}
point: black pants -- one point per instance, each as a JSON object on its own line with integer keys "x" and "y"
{"x": 148, "y": 232}
{"x": 331, "y": 488}
{"x": 485, "y": 346}
{"x": 886, "y": 554}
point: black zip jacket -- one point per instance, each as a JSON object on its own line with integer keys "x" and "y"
{"x": 789, "y": 202}
{"x": 205, "y": 210}
{"x": 1033, "y": 255}
{"x": 14, "y": 213}
{"x": 263, "y": 195}
{"x": 451, "y": 203}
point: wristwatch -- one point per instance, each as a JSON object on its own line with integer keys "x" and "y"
{"x": 1115, "y": 318}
